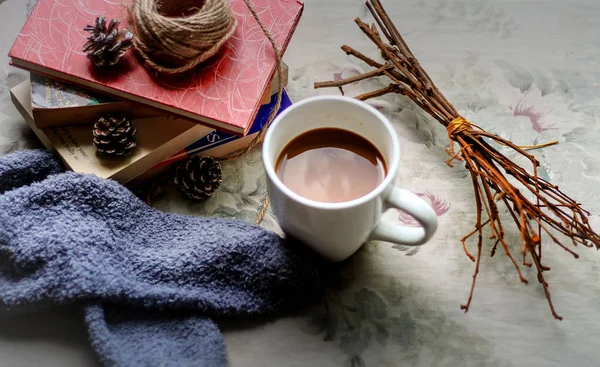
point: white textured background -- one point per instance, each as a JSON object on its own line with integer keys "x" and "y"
{"x": 528, "y": 70}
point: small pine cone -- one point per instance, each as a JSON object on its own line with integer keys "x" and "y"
{"x": 107, "y": 45}
{"x": 199, "y": 177}
{"x": 114, "y": 136}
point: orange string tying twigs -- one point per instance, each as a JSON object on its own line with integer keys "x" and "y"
{"x": 534, "y": 205}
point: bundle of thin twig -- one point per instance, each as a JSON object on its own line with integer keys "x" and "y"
{"x": 535, "y": 205}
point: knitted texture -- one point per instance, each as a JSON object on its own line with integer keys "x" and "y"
{"x": 156, "y": 338}
{"x": 150, "y": 281}
{"x": 24, "y": 167}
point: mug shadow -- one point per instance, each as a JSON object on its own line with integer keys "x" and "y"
{"x": 330, "y": 276}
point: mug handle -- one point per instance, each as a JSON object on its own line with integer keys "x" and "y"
{"x": 404, "y": 235}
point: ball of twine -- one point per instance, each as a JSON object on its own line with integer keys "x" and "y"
{"x": 174, "y": 36}
{"x": 259, "y": 137}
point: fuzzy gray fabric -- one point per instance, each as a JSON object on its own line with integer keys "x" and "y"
{"x": 150, "y": 281}
{"x": 26, "y": 166}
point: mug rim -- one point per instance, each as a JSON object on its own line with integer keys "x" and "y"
{"x": 269, "y": 165}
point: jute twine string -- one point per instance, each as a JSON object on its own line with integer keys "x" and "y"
{"x": 261, "y": 134}
{"x": 171, "y": 41}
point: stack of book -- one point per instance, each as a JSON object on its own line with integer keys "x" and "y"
{"x": 214, "y": 110}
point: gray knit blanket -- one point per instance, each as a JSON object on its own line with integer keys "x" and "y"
{"x": 150, "y": 282}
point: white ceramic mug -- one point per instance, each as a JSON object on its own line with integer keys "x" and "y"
{"x": 338, "y": 230}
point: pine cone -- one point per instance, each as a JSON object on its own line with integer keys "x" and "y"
{"x": 114, "y": 136}
{"x": 199, "y": 177}
{"x": 106, "y": 46}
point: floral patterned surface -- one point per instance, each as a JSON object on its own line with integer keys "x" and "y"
{"x": 528, "y": 71}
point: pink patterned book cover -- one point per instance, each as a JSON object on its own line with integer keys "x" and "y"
{"x": 224, "y": 93}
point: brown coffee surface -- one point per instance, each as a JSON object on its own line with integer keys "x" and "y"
{"x": 330, "y": 165}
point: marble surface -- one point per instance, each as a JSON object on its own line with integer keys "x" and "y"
{"x": 528, "y": 70}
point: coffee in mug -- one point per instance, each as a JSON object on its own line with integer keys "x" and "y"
{"x": 331, "y": 165}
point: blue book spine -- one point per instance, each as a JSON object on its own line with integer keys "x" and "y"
{"x": 217, "y": 138}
